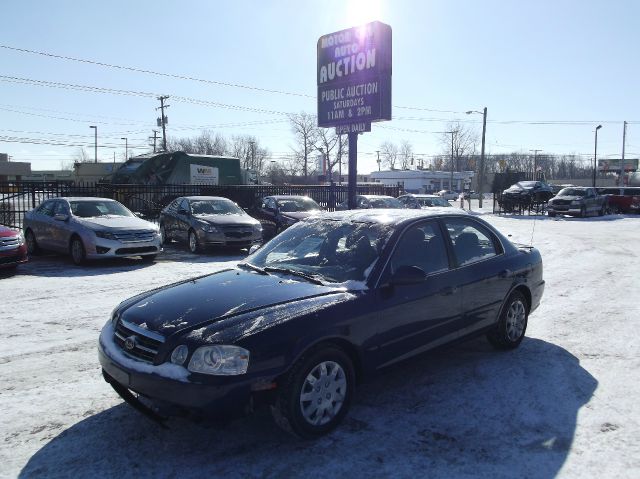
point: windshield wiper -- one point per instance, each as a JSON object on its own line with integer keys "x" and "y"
{"x": 253, "y": 267}
{"x": 309, "y": 277}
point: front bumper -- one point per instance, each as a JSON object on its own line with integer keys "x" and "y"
{"x": 564, "y": 209}
{"x": 10, "y": 257}
{"x": 106, "y": 248}
{"x": 231, "y": 239}
{"x": 172, "y": 390}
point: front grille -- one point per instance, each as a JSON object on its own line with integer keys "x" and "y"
{"x": 561, "y": 202}
{"x": 142, "y": 249}
{"x": 9, "y": 243}
{"x": 237, "y": 231}
{"x": 134, "y": 236}
{"x": 145, "y": 343}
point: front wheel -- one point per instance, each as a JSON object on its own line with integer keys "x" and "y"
{"x": 32, "y": 244}
{"x": 163, "y": 234}
{"x": 509, "y": 331}
{"x": 603, "y": 211}
{"x": 194, "y": 246}
{"x": 316, "y": 394}
{"x": 78, "y": 254}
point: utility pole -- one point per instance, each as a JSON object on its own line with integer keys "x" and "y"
{"x": 162, "y": 121}
{"x": 154, "y": 138}
{"x": 481, "y": 178}
{"x": 535, "y": 163}
{"x": 595, "y": 154}
{"x": 378, "y": 153}
{"x": 624, "y": 139}
{"x": 126, "y": 148}
{"x": 451, "y": 179}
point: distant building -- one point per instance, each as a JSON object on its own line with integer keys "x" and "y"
{"x": 13, "y": 170}
{"x": 424, "y": 181}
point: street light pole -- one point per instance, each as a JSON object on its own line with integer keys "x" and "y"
{"x": 535, "y": 164}
{"x": 126, "y": 148}
{"x": 95, "y": 143}
{"x": 595, "y": 154}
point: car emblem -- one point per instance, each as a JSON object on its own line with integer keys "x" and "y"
{"x": 130, "y": 343}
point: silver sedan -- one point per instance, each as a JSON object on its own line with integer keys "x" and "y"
{"x": 90, "y": 228}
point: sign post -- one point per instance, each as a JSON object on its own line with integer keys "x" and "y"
{"x": 354, "y": 85}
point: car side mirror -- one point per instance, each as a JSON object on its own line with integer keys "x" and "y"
{"x": 61, "y": 217}
{"x": 254, "y": 248}
{"x": 407, "y": 275}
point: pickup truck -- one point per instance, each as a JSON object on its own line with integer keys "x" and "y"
{"x": 622, "y": 200}
{"x": 577, "y": 201}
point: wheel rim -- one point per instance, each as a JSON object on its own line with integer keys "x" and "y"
{"x": 516, "y": 319}
{"x": 323, "y": 393}
{"x": 193, "y": 242}
{"x": 31, "y": 242}
{"x": 76, "y": 251}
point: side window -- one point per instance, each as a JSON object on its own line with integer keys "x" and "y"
{"x": 46, "y": 208}
{"x": 60, "y": 208}
{"x": 421, "y": 246}
{"x": 184, "y": 205}
{"x": 471, "y": 241}
{"x": 173, "y": 207}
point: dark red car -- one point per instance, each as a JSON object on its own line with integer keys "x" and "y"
{"x": 13, "y": 250}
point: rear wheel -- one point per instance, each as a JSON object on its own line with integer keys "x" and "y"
{"x": 32, "y": 244}
{"x": 78, "y": 254}
{"x": 583, "y": 212}
{"x": 603, "y": 211}
{"x": 163, "y": 234}
{"x": 193, "y": 243}
{"x": 317, "y": 393}
{"x": 512, "y": 325}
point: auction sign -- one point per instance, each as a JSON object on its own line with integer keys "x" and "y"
{"x": 354, "y": 77}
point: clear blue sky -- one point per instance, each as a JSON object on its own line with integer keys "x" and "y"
{"x": 543, "y": 60}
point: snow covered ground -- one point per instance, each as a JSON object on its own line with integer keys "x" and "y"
{"x": 564, "y": 404}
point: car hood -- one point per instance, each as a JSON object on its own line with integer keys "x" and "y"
{"x": 572, "y": 198}
{"x": 518, "y": 189}
{"x": 300, "y": 215}
{"x": 116, "y": 222}
{"x": 243, "y": 220}
{"x": 7, "y": 232}
{"x": 209, "y": 299}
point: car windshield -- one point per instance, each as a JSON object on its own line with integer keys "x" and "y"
{"x": 297, "y": 204}
{"x": 92, "y": 208}
{"x": 215, "y": 207}
{"x": 433, "y": 202}
{"x": 527, "y": 184}
{"x": 385, "y": 203}
{"x": 572, "y": 192}
{"x": 327, "y": 250}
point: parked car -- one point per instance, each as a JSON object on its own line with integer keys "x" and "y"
{"x": 90, "y": 228}
{"x": 203, "y": 221}
{"x": 472, "y": 195}
{"x": 372, "y": 201}
{"x": 330, "y": 301}
{"x": 13, "y": 249}
{"x": 622, "y": 200}
{"x": 527, "y": 192}
{"x": 448, "y": 194}
{"x": 577, "y": 201}
{"x": 276, "y": 213}
{"x": 417, "y": 201}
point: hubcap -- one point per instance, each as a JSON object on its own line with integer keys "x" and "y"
{"x": 323, "y": 393}
{"x": 516, "y": 316}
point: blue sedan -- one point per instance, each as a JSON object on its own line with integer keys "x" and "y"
{"x": 328, "y": 302}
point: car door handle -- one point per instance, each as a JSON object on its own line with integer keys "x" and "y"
{"x": 506, "y": 273}
{"x": 448, "y": 291}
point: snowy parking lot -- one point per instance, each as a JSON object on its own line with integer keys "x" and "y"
{"x": 564, "y": 404}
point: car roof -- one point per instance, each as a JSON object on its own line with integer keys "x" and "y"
{"x": 371, "y": 197}
{"x": 287, "y": 197}
{"x": 421, "y": 195}
{"x": 203, "y": 198}
{"x": 81, "y": 198}
{"x": 386, "y": 216}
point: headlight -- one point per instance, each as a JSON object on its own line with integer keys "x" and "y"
{"x": 575, "y": 203}
{"x": 20, "y": 239}
{"x": 105, "y": 234}
{"x": 208, "y": 228}
{"x": 257, "y": 228}
{"x": 179, "y": 355}
{"x": 219, "y": 360}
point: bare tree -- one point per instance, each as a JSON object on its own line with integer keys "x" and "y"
{"x": 306, "y": 135}
{"x": 333, "y": 146}
{"x": 251, "y": 154}
{"x": 81, "y": 156}
{"x": 405, "y": 155}
{"x": 464, "y": 144}
{"x": 204, "y": 144}
{"x": 389, "y": 153}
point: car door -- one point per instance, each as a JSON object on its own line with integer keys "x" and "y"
{"x": 266, "y": 213}
{"x": 41, "y": 223}
{"x": 60, "y": 230}
{"x": 417, "y": 317}
{"x": 481, "y": 269}
{"x": 183, "y": 220}
{"x": 168, "y": 219}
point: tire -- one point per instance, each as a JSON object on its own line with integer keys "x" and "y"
{"x": 77, "y": 251}
{"x": 512, "y": 325}
{"x": 148, "y": 258}
{"x": 163, "y": 234}
{"x": 32, "y": 245}
{"x": 583, "y": 212}
{"x": 192, "y": 242}
{"x": 603, "y": 211}
{"x": 309, "y": 411}
{"x": 552, "y": 215}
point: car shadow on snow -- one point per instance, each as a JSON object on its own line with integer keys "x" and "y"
{"x": 465, "y": 411}
{"x": 566, "y": 217}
